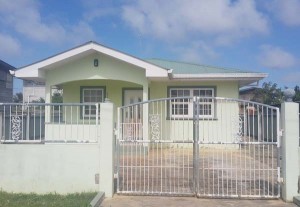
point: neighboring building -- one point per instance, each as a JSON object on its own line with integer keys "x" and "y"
{"x": 247, "y": 93}
{"x": 6, "y": 82}
{"x": 33, "y": 90}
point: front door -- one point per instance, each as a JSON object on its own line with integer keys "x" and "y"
{"x": 133, "y": 116}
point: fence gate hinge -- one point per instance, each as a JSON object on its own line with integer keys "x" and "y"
{"x": 281, "y": 132}
{"x": 115, "y": 175}
{"x": 116, "y": 131}
{"x": 280, "y": 180}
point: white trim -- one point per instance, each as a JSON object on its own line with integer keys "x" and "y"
{"x": 36, "y": 71}
{"x": 214, "y": 76}
{"x": 83, "y": 97}
{"x": 190, "y": 103}
{"x": 33, "y": 70}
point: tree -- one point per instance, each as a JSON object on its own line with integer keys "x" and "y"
{"x": 18, "y": 98}
{"x": 297, "y": 94}
{"x": 57, "y": 98}
{"x": 268, "y": 94}
{"x": 40, "y": 100}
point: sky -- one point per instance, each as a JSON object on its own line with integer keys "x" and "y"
{"x": 253, "y": 35}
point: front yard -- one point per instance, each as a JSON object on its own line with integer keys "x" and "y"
{"x": 47, "y": 200}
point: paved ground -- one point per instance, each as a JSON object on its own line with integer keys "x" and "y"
{"x": 151, "y": 201}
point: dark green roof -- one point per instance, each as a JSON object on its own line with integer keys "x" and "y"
{"x": 191, "y": 68}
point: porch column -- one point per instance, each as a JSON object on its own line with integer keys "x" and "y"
{"x": 47, "y": 100}
{"x": 290, "y": 147}
{"x": 145, "y": 111}
{"x": 47, "y": 93}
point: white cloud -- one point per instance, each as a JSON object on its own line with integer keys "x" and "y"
{"x": 25, "y": 18}
{"x": 9, "y": 45}
{"x": 95, "y": 9}
{"x": 81, "y": 33}
{"x": 177, "y": 19}
{"x": 276, "y": 58}
{"x": 287, "y": 11}
{"x": 196, "y": 52}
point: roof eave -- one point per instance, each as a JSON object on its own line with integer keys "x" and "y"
{"x": 151, "y": 69}
{"x": 217, "y": 76}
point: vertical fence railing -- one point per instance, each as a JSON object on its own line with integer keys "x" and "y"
{"x": 211, "y": 147}
{"x": 239, "y": 150}
{"x": 45, "y": 122}
{"x": 155, "y": 164}
{"x": 196, "y": 135}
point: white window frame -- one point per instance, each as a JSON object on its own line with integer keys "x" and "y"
{"x": 190, "y": 102}
{"x": 84, "y": 89}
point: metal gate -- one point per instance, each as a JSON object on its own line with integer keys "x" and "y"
{"x": 203, "y": 146}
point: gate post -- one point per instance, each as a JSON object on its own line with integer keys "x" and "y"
{"x": 106, "y": 145}
{"x": 1, "y": 126}
{"x": 196, "y": 144}
{"x": 290, "y": 146}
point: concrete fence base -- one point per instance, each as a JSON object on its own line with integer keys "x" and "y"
{"x": 62, "y": 168}
{"x": 46, "y": 168}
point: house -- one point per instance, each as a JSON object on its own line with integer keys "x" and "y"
{"x": 153, "y": 115}
{"x": 91, "y": 73}
{"x": 6, "y": 82}
{"x": 33, "y": 90}
{"x": 247, "y": 93}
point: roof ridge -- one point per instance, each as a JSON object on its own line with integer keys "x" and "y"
{"x": 197, "y": 64}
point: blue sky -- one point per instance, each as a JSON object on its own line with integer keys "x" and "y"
{"x": 254, "y": 35}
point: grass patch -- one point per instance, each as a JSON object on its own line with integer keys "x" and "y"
{"x": 47, "y": 200}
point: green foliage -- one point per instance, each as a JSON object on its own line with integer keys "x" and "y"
{"x": 18, "y": 98}
{"x": 47, "y": 200}
{"x": 297, "y": 95}
{"x": 40, "y": 100}
{"x": 269, "y": 94}
{"x": 57, "y": 98}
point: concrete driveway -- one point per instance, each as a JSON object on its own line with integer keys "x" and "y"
{"x": 151, "y": 201}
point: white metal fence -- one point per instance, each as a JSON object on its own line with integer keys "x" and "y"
{"x": 44, "y": 122}
{"x": 215, "y": 147}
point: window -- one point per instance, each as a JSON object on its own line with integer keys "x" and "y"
{"x": 91, "y": 95}
{"x": 183, "y": 108}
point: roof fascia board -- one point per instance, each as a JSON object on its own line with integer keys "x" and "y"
{"x": 220, "y": 75}
{"x": 151, "y": 70}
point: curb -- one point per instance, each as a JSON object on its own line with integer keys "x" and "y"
{"x": 296, "y": 200}
{"x": 97, "y": 200}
